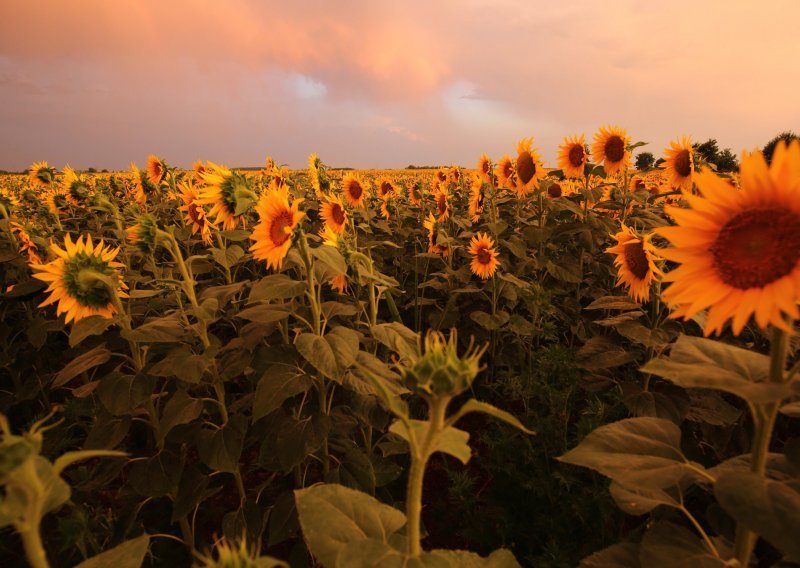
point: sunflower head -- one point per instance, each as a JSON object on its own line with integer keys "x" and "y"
{"x": 484, "y": 256}
{"x": 442, "y": 200}
{"x": 432, "y": 226}
{"x": 528, "y": 167}
{"x": 739, "y": 250}
{"x": 354, "y": 189}
{"x": 476, "y": 198}
{"x": 554, "y": 190}
{"x": 143, "y": 188}
{"x": 506, "y": 173}
{"x": 40, "y": 174}
{"x": 485, "y": 168}
{"x": 438, "y": 370}
{"x": 318, "y": 175}
{"x": 679, "y": 163}
{"x": 637, "y": 183}
{"x": 454, "y": 174}
{"x": 441, "y": 175}
{"x": 385, "y": 188}
{"x": 333, "y": 213}
{"x": 611, "y": 149}
{"x": 82, "y": 279}
{"x": 274, "y": 233}
{"x": 156, "y": 170}
{"x": 415, "y": 192}
{"x": 194, "y": 213}
{"x": 75, "y": 186}
{"x": 231, "y": 554}
{"x": 26, "y": 244}
{"x": 572, "y": 156}
{"x": 8, "y": 201}
{"x": 230, "y": 195}
{"x": 144, "y": 234}
{"x": 199, "y": 169}
{"x": 636, "y": 261}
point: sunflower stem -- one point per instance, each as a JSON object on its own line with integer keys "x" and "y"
{"x": 764, "y": 421}
{"x": 34, "y": 549}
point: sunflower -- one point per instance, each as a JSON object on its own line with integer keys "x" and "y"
{"x": 679, "y": 163}
{"x": 611, "y": 148}
{"x": 432, "y": 227}
{"x": 454, "y": 175}
{"x": 318, "y": 177}
{"x": 8, "y": 201}
{"x": 273, "y": 233}
{"x": 333, "y": 239}
{"x": 484, "y": 257}
{"x": 143, "y": 234}
{"x": 385, "y": 202}
{"x": 78, "y": 279}
{"x": 56, "y": 199}
{"x": 229, "y": 194}
{"x": 739, "y": 250}
{"x": 415, "y": 192}
{"x": 195, "y": 215}
{"x": 476, "y": 198}
{"x": 506, "y": 174}
{"x": 442, "y": 200}
{"x": 528, "y": 167}
{"x": 385, "y": 188}
{"x": 636, "y": 258}
{"x": 637, "y": 183}
{"x": 554, "y": 190}
{"x": 572, "y": 156}
{"x": 142, "y": 186}
{"x": 40, "y": 174}
{"x": 75, "y": 187}
{"x": 156, "y": 170}
{"x": 441, "y": 175}
{"x": 26, "y": 245}
{"x": 485, "y": 168}
{"x": 199, "y": 169}
{"x": 354, "y": 189}
{"x": 333, "y": 213}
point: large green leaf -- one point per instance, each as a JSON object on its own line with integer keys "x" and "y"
{"x": 398, "y": 338}
{"x": 278, "y": 383}
{"x": 275, "y": 287}
{"x": 129, "y": 554}
{"x": 318, "y": 352}
{"x": 332, "y": 516}
{"x": 769, "y": 508}
{"x": 641, "y": 452}
{"x": 451, "y": 440}
{"x": 622, "y": 555}
{"x": 82, "y": 363}
{"x": 220, "y": 449}
{"x": 671, "y": 546}
{"x": 473, "y": 405}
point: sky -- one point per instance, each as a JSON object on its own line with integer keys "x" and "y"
{"x": 102, "y": 83}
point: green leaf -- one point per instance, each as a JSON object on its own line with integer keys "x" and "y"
{"x": 297, "y": 439}
{"x": 332, "y": 260}
{"x": 488, "y": 321}
{"x": 622, "y": 555}
{"x": 265, "y": 313}
{"x": 332, "y": 516}
{"x": 641, "y": 452}
{"x": 769, "y": 508}
{"x": 613, "y": 303}
{"x": 450, "y": 441}
{"x": 86, "y": 327}
{"x": 563, "y": 273}
{"x": 641, "y": 500}
{"x": 157, "y": 475}
{"x": 473, "y": 405}
{"x": 220, "y": 449}
{"x": 277, "y": 384}
{"x": 182, "y": 363}
{"x": 129, "y": 554}
{"x": 667, "y": 545}
{"x": 121, "y": 394}
{"x": 181, "y": 409}
{"x": 162, "y": 330}
{"x": 275, "y": 287}
{"x": 81, "y": 364}
{"x": 344, "y": 343}
{"x": 318, "y": 352}
{"x": 398, "y": 338}
{"x": 696, "y": 362}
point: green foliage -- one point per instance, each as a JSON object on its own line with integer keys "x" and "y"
{"x": 644, "y": 160}
{"x": 769, "y": 148}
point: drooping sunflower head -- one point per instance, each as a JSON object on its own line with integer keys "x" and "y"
{"x": 156, "y": 170}
{"x": 485, "y": 168}
{"x": 572, "y": 156}
{"x": 611, "y": 149}
{"x": 199, "y": 169}
{"x": 442, "y": 200}
{"x": 273, "y": 235}
{"x": 40, "y": 174}
{"x": 385, "y": 188}
{"x": 636, "y": 261}
{"x": 476, "y": 197}
{"x": 484, "y": 256}
{"x": 385, "y": 202}
{"x": 75, "y": 186}
{"x": 318, "y": 176}
{"x": 82, "y": 279}
{"x": 230, "y": 195}
{"x": 415, "y": 192}
{"x": 432, "y": 226}
{"x": 143, "y": 234}
{"x": 454, "y": 174}
{"x": 143, "y": 188}
{"x": 506, "y": 173}
{"x": 528, "y": 167}
{"x": 739, "y": 250}
{"x": 354, "y": 189}
{"x": 333, "y": 213}
{"x": 441, "y": 175}
{"x": 679, "y": 163}
{"x": 194, "y": 213}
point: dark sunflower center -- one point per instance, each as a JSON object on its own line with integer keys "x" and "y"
{"x": 87, "y": 292}
{"x": 683, "y": 163}
{"x": 194, "y": 213}
{"x": 757, "y": 247}
{"x": 526, "y": 168}
{"x": 639, "y": 184}
{"x": 615, "y": 149}
{"x": 484, "y": 256}
{"x": 485, "y": 167}
{"x": 441, "y": 203}
{"x": 355, "y": 190}
{"x": 277, "y": 230}
{"x": 636, "y": 260}
{"x": 576, "y": 156}
{"x": 337, "y": 213}
{"x": 554, "y": 190}
{"x": 386, "y": 188}
{"x": 442, "y": 176}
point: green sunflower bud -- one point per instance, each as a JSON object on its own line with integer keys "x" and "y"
{"x": 439, "y": 370}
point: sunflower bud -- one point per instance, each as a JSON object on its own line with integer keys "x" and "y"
{"x": 144, "y": 234}
{"x": 439, "y": 370}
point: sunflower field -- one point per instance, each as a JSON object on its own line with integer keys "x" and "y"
{"x": 494, "y": 366}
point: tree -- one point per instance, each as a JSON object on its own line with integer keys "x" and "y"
{"x": 708, "y": 151}
{"x": 645, "y": 160}
{"x": 769, "y": 149}
{"x": 726, "y": 161}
